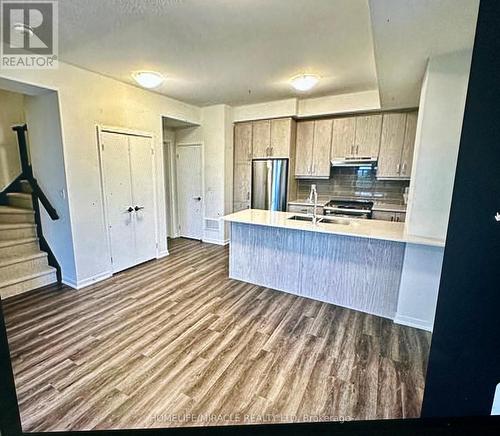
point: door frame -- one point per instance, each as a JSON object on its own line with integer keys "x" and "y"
{"x": 129, "y": 132}
{"x": 200, "y": 144}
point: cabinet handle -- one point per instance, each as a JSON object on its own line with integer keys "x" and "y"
{"x": 398, "y": 166}
{"x": 271, "y": 151}
{"x": 397, "y": 219}
{"x": 357, "y": 150}
{"x": 404, "y": 168}
{"x": 248, "y": 195}
{"x": 352, "y": 150}
{"x": 392, "y": 218}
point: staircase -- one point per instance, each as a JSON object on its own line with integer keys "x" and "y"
{"x": 23, "y": 266}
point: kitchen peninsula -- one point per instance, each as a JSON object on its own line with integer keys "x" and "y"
{"x": 351, "y": 263}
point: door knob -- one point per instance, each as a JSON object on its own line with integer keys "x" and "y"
{"x": 137, "y": 208}
{"x": 130, "y": 209}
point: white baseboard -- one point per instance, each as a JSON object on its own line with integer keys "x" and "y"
{"x": 216, "y": 241}
{"x": 79, "y": 284}
{"x": 162, "y": 254}
{"x": 414, "y": 322}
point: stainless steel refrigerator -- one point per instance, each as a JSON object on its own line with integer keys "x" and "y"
{"x": 269, "y": 184}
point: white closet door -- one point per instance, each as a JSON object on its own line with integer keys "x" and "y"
{"x": 141, "y": 165}
{"x": 189, "y": 195}
{"x": 118, "y": 196}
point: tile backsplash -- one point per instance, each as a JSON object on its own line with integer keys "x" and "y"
{"x": 356, "y": 183}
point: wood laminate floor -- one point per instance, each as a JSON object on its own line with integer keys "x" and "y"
{"x": 175, "y": 342}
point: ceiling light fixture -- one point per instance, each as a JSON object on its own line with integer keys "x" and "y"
{"x": 148, "y": 79}
{"x": 304, "y": 82}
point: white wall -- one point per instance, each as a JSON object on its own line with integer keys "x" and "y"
{"x": 218, "y": 157}
{"x": 342, "y": 103}
{"x": 308, "y": 107}
{"x": 419, "y": 286}
{"x": 439, "y": 126}
{"x": 442, "y": 104}
{"x": 87, "y": 99}
{"x": 11, "y": 113}
{"x": 47, "y": 158}
{"x": 271, "y": 109}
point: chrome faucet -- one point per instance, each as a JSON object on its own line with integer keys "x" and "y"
{"x": 313, "y": 197}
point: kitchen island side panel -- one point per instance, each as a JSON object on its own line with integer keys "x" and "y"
{"x": 265, "y": 256}
{"x": 358, "y": 273}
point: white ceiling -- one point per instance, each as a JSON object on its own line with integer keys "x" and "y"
{"x": 245, "y": 51}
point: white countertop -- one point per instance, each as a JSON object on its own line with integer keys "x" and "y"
{"x": 374, "y": 229}
{"x": 389, "y": 207}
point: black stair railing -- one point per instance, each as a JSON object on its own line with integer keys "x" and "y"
{"x": 37, "y": 195}
{"x": 27, "y": 171}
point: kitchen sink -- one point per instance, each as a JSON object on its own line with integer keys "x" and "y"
{"x": 321, "y": 219}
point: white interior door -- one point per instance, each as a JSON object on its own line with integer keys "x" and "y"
{"x": 143, "y": 194}
{"x": 118, "y": 196}
{"x": 189, "y": 191}
{"x": 129, "y": 195}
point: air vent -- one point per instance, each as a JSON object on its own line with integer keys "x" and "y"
{"x": 212, "y": 224}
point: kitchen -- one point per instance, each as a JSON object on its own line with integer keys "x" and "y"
{"x": 320, "y": 207}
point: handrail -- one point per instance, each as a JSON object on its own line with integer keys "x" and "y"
{"x": 27, "y": 171}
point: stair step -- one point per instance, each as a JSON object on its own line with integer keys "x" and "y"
{"x": 21, "y": 265}
{"x": 20, "y": 200}
{"x": 17, "y": 231}
{"x": 28, "y": 282}
{"x": 11, "y": 247}
{"x": 11, "y": 215}
{"x": 14, "y": 258}
{"x": 25, "y": 186}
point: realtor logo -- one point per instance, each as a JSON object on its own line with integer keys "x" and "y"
{"x": 29, "y": 38}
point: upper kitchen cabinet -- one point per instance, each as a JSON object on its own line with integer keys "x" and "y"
{"x": 243, "y": 142}
{"x": 314, "y": 139}
{"x": 322, "y": 144}
{"x": 367, "y": 137}
{"x": 272, "y": 138}
{"x": 397, "y": 145}
{"x": 391, "y": 145}
{"x": 343, "y": 135}
{"x": 261, "y": 138}
{"x": 281, "y": 137}
{"x": 305, "y": 138}
{"x": 409, "y": 144}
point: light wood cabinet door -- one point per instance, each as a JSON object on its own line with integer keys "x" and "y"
{"x": 409, "y": 144}
{"x": 261, "y": 138}
{"x": 367, "y": 135}
{"x": 281, "y": 136}
{"x": 391, "y": 145}
{"x": 304, "y": 150}
{"x": 322, "y": 143}
{"x": 241, "y": 206}
{"x": 243, "y": 142}
{"x": 242, "y": 182}
{"x": 343, "y": 135}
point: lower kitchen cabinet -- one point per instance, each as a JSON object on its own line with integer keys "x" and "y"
{"x": 242, "y": 178}
{"x": 399, "y": 217}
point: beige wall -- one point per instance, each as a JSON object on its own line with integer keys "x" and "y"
{"x": 439, "y": 126}
{"x": 87, "y": 99}
{"x": 11, "y": 113}
{"x": 47, "y": 158}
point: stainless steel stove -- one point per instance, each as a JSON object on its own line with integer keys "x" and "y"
{"x": 361, "y": 209}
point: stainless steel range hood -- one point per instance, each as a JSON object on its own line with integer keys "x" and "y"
{"x": 354, "y": 162}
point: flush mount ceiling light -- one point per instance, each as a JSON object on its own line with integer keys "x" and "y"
{"x": 304, "y": 82}
{"x": 22, "y": 29}
{"x": 148, "y": 79}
